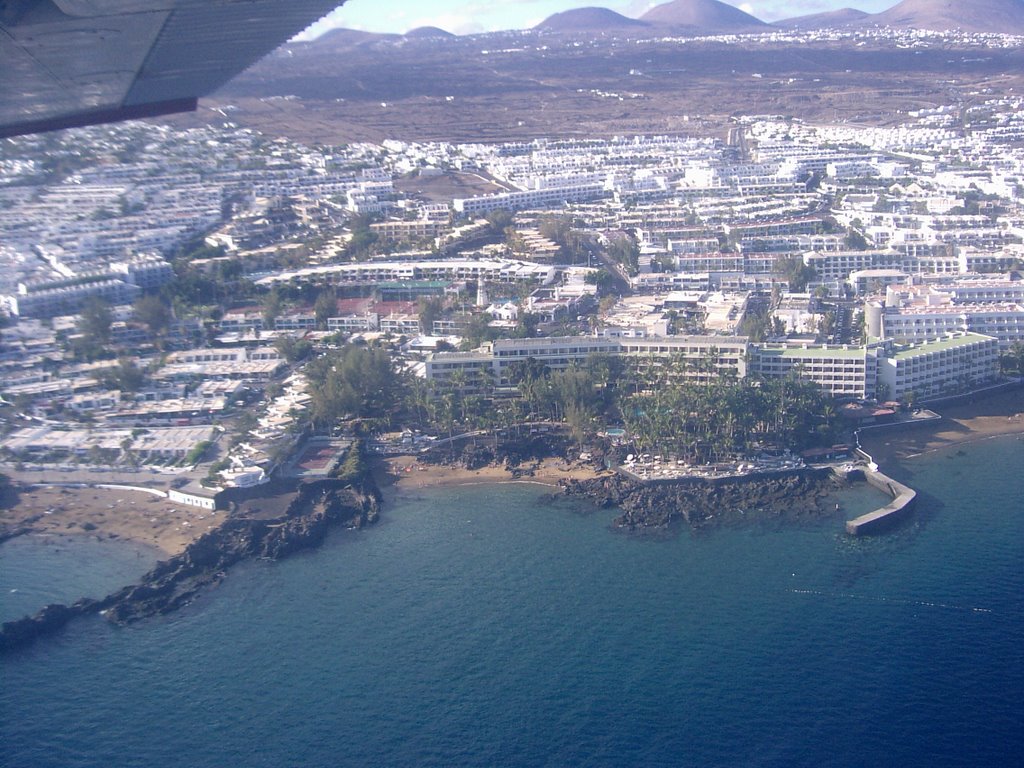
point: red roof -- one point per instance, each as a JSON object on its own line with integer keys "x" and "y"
{"x": 354, "y": 306}
{"x": 395, "y": 308}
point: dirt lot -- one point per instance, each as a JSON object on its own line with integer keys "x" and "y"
{"x": 109, "y": 514}
{"x": 446, "y": 187}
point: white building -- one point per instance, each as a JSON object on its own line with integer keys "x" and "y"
{"x": 704, "y": 355}
{"x": 950, "y": 365}
{"x": 842, "y": 371}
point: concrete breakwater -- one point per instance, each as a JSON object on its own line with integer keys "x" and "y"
{"x": 903, "y": 498}
{"x": 315, "y": 508}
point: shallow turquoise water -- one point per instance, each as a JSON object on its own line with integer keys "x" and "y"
{"x": 483, "y": 626}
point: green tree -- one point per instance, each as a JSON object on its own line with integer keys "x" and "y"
{"x": 625, "y": 250}
{"x": 602, "y": 278}
{"x": 352, "y": 469}
{"x": 360, "y": 382}
{"x": 95, "y": 321}
{"x": 272, "y": 306}
{"x": 576, "y": 399}
{"x": 826, "y": 325}
{"x": 555, "y": 228}
{"x": 195, "y": 455}
{"x": 326, "y": 306}
{"x": 430, "y": 309}
{"x": 1013, "y": 359}
{"x": 855, "y": 240}
{"x": 363, "y": 238}
{"x": 531, "y": 378}
{"x": 154, "y": 313}
{"x": 130, "y": 377}
{"x": 795, "y": 272}
{"x": 477, "y": 332}
{"x": 293, "y": 350}
{"x": 526, "y": 327}
{"x": 500, "y": 219}
{"x": 574, "y": 245}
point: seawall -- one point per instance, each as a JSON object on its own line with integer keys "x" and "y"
{"x": 903, "y": 498}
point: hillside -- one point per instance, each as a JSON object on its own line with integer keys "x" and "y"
{"x": 341, "y": 39}
{"x": 827, "y": 20}
{"x": 590, "y": 19}
{"x": 510, "y": 86}
{"x": 703, "y": 16}
{"x": 427, "y": 33}
{"x": 996, "y": 16}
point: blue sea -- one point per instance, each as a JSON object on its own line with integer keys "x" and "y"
{"x": 487, "y": 626}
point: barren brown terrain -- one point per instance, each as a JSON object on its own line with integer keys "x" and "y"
{"x": 509, "y": 86}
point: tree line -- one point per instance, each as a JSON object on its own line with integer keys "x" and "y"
{"x": 672, "y": 406}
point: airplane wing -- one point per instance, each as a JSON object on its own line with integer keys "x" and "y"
{"x": 66, "y": 63}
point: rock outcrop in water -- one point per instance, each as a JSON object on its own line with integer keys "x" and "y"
{"x": 699, "y": 501}
{"x": 316, "y": 508}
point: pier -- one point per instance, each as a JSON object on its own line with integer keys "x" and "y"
{"x": 902, "y": 501}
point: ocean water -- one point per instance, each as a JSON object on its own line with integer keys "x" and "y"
{"x": 37, "y": 570}
{"x": 484, "y": 626}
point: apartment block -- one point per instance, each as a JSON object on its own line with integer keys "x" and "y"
{"x": 947, "y": 366}
{"x": 842, "y": 371}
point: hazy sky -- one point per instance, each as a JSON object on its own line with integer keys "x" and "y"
{"x": 468, "y": 16}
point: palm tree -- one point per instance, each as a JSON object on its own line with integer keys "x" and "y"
{"x": 457, "y": 382}
{"x": 1013, "y": 358}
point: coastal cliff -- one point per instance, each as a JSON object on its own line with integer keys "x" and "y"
{"x": 315, "y": 509}
{"x": 699, "y": 501}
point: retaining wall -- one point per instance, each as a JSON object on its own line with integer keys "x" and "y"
{"x": 903, "y": 498}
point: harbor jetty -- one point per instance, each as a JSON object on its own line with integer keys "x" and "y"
{"x": 903, "y": 498}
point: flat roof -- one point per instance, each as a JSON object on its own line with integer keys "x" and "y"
{"x": 852, "y": 353}
{"x": 940, "y": 345}
{"x": 407, "y": 284}
{"x": 440, "y": 357}
{"x": 975, "y": 308}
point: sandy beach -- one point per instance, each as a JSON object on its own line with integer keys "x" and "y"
{"x": 146, "y": 519}
{"x": 109, "y": 514}
{"x": 987, "y": 417}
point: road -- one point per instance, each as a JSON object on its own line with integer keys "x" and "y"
{"x": 618, "y": 274}
{"x": 44, "y": 474}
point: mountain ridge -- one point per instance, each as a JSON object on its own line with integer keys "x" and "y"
{"x": 428, "y": 32}
{"x": 986, "y": 16}
{"x": 828, "y": 19}
{"x": 591, "y": 18}
{"x": 703, "y": 15}
{"x": 700, "y": 17}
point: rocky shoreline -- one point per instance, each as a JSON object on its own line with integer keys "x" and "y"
{"x": 175, "y": 582}
{"x": 317, "y": 507}
{"x": 700, "y": 502}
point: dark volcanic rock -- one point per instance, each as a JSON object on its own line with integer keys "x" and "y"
{"x": 49, "y": 620}
{"x": 13, "y": 531}
{"x": 699, "y": 501}
{"x": 177, "y": 581}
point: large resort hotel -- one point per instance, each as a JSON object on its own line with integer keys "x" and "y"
{"x": 927, "y": 369}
